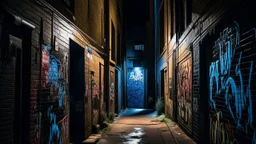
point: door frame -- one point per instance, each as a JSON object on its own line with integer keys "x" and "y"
{"x": 24, "y": 32}
{"x": 85, "y": 92}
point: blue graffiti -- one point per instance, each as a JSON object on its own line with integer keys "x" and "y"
{"x": 254, "y": 138}
{"x": 61, "y": 93}
{"x": 46, "y": 47}
{"x": 135, "y": 88}
{"x": 54, "y": 129}
{"x": 55, "y": 79}
{"x": 219, "y": 73}
{"x": 54, "y": 71}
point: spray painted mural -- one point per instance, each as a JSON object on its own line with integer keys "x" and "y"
{"x": 112, "y": 91}
{"x": 52, "y": 107}
{"x": 184, "y": 91}
{"x": 95, "y": 99}
{"x": 101, "y": 91}
{"x": 230, "y": 87}
{"x": 135, "y": 88}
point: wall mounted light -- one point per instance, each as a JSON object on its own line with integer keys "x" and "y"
{"x": 89, "y": 54}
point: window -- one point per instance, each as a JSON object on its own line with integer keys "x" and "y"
{"x": 139, "y": 47}
{"x": 187, "y": 12}
{"x": 184, "y": 15}
{"x": 173, "y": 28}
{"x": 161, "y": 25}
{"x": 118, "y": 48}
{"x": 180, "y": 17}
{"x": 102, "y": 27}
{"x": 113, "y": 43}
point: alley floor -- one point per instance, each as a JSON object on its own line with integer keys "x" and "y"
{"x": 141, "y": 126}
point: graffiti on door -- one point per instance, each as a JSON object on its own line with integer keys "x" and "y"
{"x": 135, "y": 88}
{"x": 184, "y": 95}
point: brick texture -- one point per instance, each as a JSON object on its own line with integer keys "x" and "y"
{"x": 49, "y": 100}
{"x": 231, "y": 79}
{"x": 222, "y": 112}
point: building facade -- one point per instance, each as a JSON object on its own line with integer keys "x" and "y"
{"x": 205, "y": 67}
{"x": 55, "y": 77}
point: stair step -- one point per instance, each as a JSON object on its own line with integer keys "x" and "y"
{"x": 92, "y": 139}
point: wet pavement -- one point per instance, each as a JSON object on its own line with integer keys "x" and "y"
{"x": 139, "y": 126}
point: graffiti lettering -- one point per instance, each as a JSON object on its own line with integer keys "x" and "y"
{"x": 226, "y": 84}
{"x": 136, "y": 75}
{"x": 221, "y": 132}
{"x": 55, "y": 133}
{"x": 233, "y": 83}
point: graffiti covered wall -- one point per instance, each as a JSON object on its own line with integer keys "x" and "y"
{"x": 184, "y": 92}
{"x": 112, "y": 91}
{"x": 53, "y": 104}
{"x": 169, "y": 97}
{"x": 135, "y": 88}
{"x": 231, "y": 84}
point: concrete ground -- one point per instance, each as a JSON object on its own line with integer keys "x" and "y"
{"x": 140, "y": 126}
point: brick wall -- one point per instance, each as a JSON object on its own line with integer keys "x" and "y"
{"x": 7, "y": 84}
{"x": 49, "y": 100}
{"x": 89, "y": 16}
{"x": 205, "y": 14}
{"x": 232, "y": 78}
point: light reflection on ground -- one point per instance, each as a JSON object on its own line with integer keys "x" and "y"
{"x": 139, "y": 112}
{"x": 135, "y": 137}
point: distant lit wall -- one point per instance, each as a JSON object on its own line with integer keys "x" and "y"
{"x": 135, "y": 88}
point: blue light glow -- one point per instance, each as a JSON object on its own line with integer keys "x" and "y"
{"x": 135, "y": 88}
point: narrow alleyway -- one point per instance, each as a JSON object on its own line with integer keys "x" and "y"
{"x": 141, "y": 126}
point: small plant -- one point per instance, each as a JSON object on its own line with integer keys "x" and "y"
{"x": 104, "y": 116}
{"x": 111, "y": 116}
{"x": 106, "y": 129}
{"x": 159, "y": 106}
{"x": 107, "y": 118}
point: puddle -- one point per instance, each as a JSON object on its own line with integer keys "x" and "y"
{"x": 135, "y": 137}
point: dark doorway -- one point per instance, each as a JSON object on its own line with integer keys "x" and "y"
{"x": 116, "y": 92}
{"x": 15, "y": 72}
{"x": 205, "y": 49}
{"x": 118, "y": 100}
{"x": 77, "y": 90}
{"x": 162, "y": 87}
{"x": 18, "y": 88}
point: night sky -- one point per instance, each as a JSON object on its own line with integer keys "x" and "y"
{"x": 136, "y": 12}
